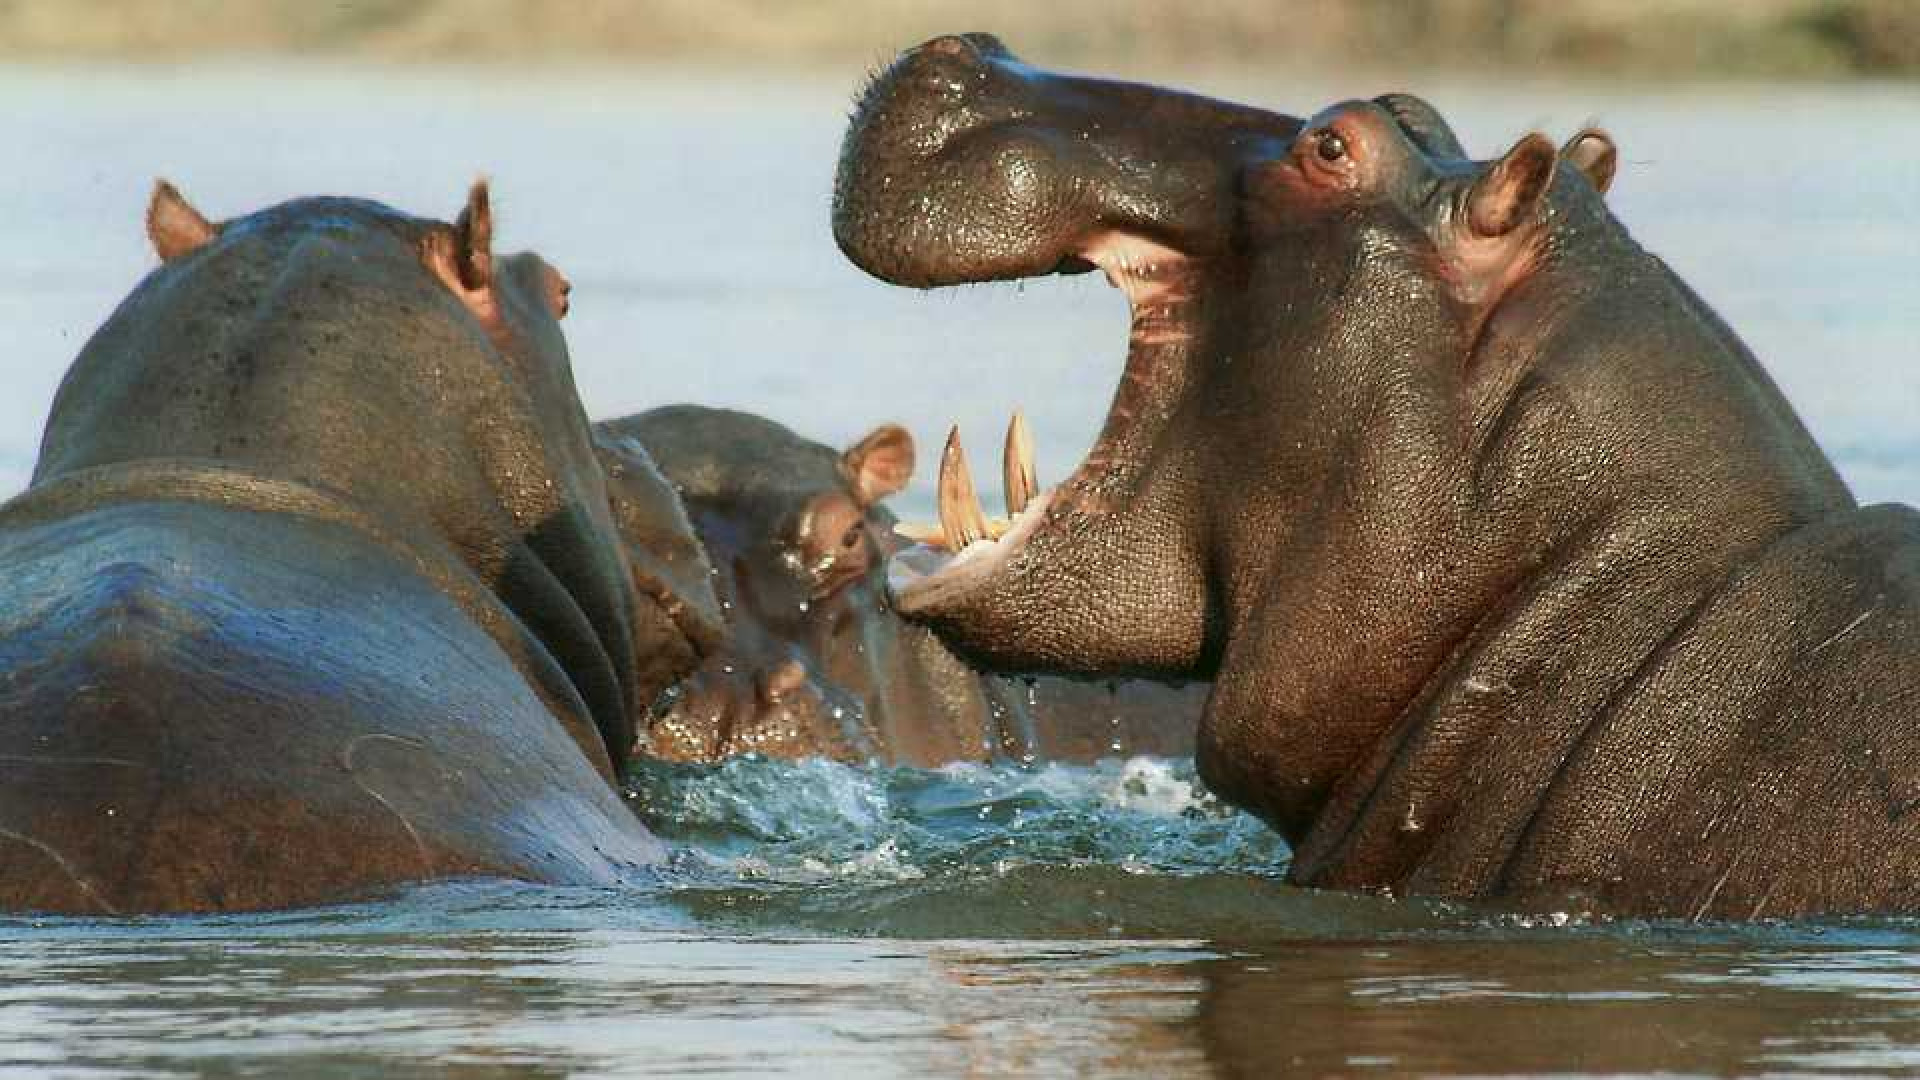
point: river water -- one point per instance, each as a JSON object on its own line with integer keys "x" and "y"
{"x": 826, "y": 920}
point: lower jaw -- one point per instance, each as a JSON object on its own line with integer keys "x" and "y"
{"x": 962, "y": 562}
{"x": 924, "y": 578}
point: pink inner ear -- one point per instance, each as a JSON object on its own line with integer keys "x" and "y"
{"x": 880, "y": 464}
{"x": 174, "y": 226}
{"x": 441, "y": 255}
{"x": 1508, "y": 193}
{"x": 473, "y": 255}
{"x": 1592, "y": 152}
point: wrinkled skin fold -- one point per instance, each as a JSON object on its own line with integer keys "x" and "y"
{"x": 814, "y": 662}
{"x": 1518, "y": 578}
{"x": 315, "y": 591}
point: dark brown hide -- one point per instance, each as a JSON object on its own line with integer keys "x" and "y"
{"x": 1519, "y": 578}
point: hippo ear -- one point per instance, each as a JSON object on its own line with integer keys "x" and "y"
{"x": 1592, "y": 152}
{"x": 558, "y": 291}
{"x": 473, "y": 239}
{"x": 174, "y": 226}
{"x": 1511, "y": 189}
{"x": 461, "y": 255}
{"x": 880, "y": 464}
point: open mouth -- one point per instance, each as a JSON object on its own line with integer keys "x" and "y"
{"x": 967, "y": 547}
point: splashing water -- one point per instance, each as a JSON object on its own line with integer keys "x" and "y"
{"x": 964, "y": 850}
{"x": 799, "y": 821}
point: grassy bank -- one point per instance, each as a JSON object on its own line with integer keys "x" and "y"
{"x": 1666, "y": 38}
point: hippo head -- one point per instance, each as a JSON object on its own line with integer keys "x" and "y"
{"x": 1313, "y": 374}
{"x": 964, "y": 164}
{"x": 797, "y": 536}
{"x": 398, "y": 367}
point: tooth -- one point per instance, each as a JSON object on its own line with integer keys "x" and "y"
{"x": 1016, "y": 465}
{"x": 960, "y": 515}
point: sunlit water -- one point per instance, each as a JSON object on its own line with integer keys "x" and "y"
{"x": 824, "y": 920}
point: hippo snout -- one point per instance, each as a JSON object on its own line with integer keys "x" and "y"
{"x": 965, "y": 164}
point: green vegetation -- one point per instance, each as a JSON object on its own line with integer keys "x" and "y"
{"x": 1754, "y": 38}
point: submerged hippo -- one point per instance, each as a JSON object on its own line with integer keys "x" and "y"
{"x": 1519, "y": 578}
{"x": 815, "y": 662}
{"x": 315, "y": 590}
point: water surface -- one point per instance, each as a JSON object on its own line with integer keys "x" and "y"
{"x": 824, "y": 920}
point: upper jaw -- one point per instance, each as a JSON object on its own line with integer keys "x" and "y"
{"x": 963, "y": 164}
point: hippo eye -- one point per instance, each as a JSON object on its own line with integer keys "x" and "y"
{"x": 1331, "y": 147}
{"x": 851, "y": 539}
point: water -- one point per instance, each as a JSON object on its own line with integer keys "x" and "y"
{"x": 825, "y": 920}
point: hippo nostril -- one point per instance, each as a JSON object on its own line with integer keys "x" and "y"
{"x": 970, "y": 47}
{"x": 950, "y": 45}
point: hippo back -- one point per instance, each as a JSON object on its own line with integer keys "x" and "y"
{"x": 207, "y": 708}
{"x": 315, "y": 590}
{"x": 310, "y": 343}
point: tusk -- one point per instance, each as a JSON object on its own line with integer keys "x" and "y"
{"x": 1016, "y": 465}
{"x": 961, "y": 519}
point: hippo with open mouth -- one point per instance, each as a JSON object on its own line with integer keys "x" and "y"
{"x": 1518, "y": 577}
{"x": 316, "y": 591}
{"x": 815, "y": 662}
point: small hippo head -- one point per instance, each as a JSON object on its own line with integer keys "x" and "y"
{"x": 797, "y": 537}
{"x": 1315, "y": 368}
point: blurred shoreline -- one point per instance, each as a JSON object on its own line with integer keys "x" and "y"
{"x": 1525, "y": 39}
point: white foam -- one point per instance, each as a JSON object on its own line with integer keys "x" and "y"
{"x": 1151, "y": 786}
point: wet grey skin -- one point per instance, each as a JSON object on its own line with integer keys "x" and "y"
{"x": 815, "y": 662}
{"x": 316, "y": 591}
{"x": 1518, "y": 578}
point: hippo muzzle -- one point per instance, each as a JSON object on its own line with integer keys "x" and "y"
{"x": 965, "y": 164}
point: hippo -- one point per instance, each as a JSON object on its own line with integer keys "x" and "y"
{"x": 1519, "y": 581}
{"x": 815, "y": 662}
{"x": 315, "y": 591}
